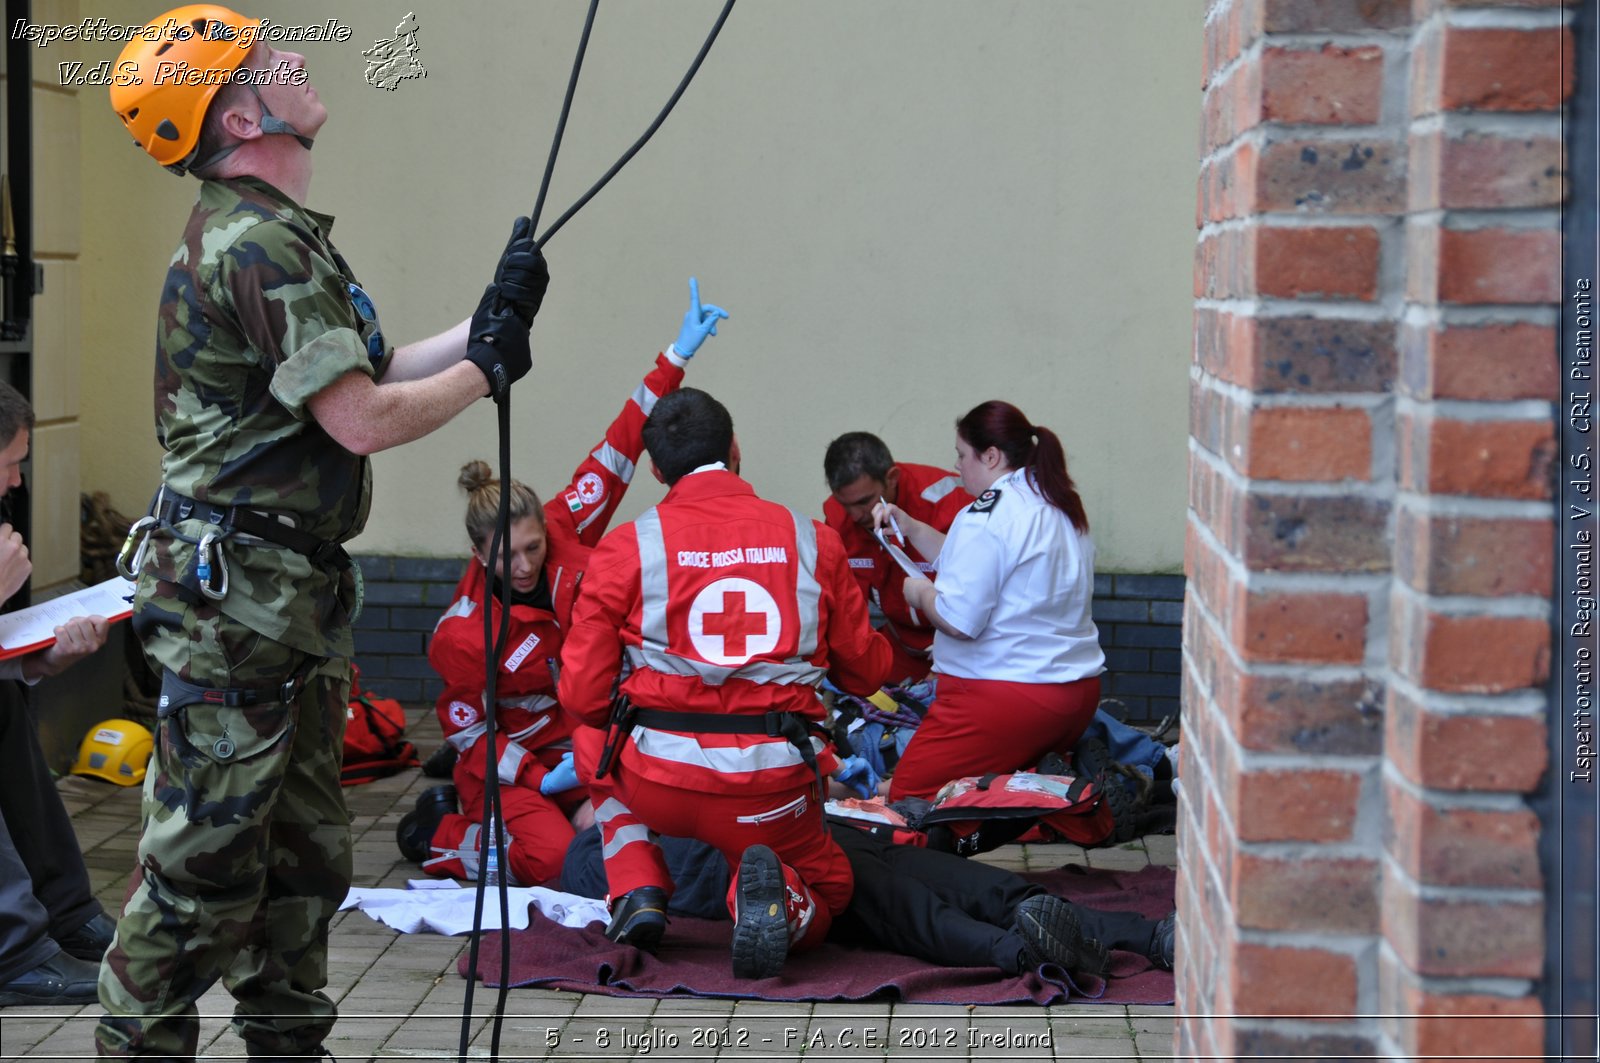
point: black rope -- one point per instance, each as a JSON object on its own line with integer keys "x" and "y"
{"x": 494, "y": 642}
{"x": 648, "y": 133}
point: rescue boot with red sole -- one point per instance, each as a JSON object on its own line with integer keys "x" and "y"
{"x": 639, "y": 918}
{"x": 760, "y": 915}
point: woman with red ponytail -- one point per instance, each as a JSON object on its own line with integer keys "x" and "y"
{"x": 1016, "y": 651}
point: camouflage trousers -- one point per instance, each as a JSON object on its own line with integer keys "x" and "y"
{"x": 245, "y": 853}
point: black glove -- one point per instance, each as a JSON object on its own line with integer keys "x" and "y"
{"x": 498, "y": 343}
{"x": 521, "y": 275}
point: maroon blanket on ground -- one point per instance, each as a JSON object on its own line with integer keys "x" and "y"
{"x": 694, "y": 960}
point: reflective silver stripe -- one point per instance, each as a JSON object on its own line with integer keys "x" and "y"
{"x": 509, "y": 761}
{"x": 609, "y": 809}
{"x": 636, "y": 832}
{"x": 724, "y": 760}
{"x": 940, "y": 488}
{"x": 517, "y": 736}
{"x": 462, "y": 606}
{"x": 652, "y": 582}
{"x": 464, "y": 738}
{"x": 533, "y": 702}
{"x": 714, "y": 675}
{"x": 808, "y": 592}
{"x": 645, "y": 398}
{"x": 615, "y": 461}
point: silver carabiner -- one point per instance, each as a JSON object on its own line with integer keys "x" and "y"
{"x": 208, "y": 549}
{"x": 131, "y": 557}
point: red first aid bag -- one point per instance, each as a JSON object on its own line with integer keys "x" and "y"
{"x": 375, "y": 745}
{"x": 1063, "y": 807}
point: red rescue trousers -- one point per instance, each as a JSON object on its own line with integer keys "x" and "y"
{"x": 788, "y": 822}
{"x": 977, "y": 726}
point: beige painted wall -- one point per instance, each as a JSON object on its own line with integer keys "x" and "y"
{"x": 908, "y": 206}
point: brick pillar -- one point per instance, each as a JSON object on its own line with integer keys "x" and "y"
{"x": 1369, "y": 540}
{"x": 1470, "y": 608}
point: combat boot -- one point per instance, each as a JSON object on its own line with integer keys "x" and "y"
{"x": 760, "y": 915}
{"x": 441, "y": 763}
{"x": 639, "y": 918}
{"x": 415, "y": 833}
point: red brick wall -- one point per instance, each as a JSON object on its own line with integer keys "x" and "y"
{"x": 1370, "y": 534}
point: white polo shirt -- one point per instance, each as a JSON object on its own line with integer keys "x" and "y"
{"x": 1018, "y": 577}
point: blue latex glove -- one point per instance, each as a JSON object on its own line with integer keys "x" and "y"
{"x": 559, "y": 778}
{"x": 857, "y": 774}
{"x": 699, "y": 322}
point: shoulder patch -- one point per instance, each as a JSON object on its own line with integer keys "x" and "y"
{"x": 985, "y": 501}
{"x": 574, "y": 502}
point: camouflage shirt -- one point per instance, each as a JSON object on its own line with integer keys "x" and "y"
{"x": 259, "y": 313}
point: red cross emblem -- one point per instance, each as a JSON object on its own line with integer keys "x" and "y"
{"x": 733, "y": 620}
{"x": 734, "y": 623}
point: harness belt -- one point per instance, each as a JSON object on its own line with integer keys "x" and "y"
{"x": 177, "y": 692}
{"x": 170, "y": 508}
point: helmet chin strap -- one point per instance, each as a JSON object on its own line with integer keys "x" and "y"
{"x": 268, "y": 123}
{"x": 271, "y": 123}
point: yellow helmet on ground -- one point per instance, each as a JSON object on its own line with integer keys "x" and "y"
{"x": 117, "y": 751}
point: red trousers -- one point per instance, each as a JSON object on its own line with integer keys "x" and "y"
{"x": 789, "y": 823}
{"x": 976, "y": 726}
{"x": 537, "y": 826}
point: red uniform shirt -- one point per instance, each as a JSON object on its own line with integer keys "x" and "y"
{"x": 933, "y": 496}
{"x": 721, "y": 602}
{"x": 527, "y": 717}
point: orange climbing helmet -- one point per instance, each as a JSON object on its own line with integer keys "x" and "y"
{"x": 168, "y": 75}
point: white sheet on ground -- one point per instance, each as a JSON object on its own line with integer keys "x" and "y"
{"x": 442, "y": 906}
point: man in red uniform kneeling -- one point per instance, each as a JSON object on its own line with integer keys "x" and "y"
{"x": 729, "y": 611}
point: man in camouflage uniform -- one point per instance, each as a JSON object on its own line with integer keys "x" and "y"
{"x": 273, "y": 381}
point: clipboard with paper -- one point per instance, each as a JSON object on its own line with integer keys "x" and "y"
{"x": 901, "y": 558}
{"x": 31, "y": 629}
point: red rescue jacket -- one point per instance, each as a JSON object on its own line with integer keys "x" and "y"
{"x": 720, "y": 602}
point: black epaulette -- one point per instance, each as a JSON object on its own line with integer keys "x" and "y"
{"x": 985, "y": 501}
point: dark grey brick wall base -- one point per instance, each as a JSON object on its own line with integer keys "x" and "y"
{"x": 1139, "y": 617}
{"x": 1140, "y": 620}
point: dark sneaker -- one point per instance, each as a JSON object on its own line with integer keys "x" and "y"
{"x": 62, "y": 979}
{"x": 760, "y": 915}
{"x": 1164, "y": 942}
{"x": 441, "y": 763}
{"x": 1051, "y": 934}
{"x": 90, "y": 941}
{"x": 639, "y": 918}
{"x": 414, "y": 835}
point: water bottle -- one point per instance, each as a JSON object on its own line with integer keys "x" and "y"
{"x": 491, "y": 856}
